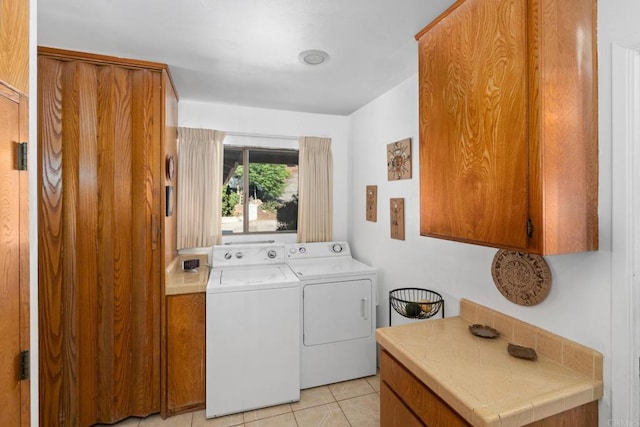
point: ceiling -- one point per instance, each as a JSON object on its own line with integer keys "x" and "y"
{"x": 245, "y": 52}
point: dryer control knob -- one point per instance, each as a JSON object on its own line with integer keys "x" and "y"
{"x": 239, "y": 255}
{"x": 272, "y": 253}
{"x": 336, "y": 248}
{"x": 227, "y": 255}
{"x": 302, "y": 249}
{"x": 292, "y": 250}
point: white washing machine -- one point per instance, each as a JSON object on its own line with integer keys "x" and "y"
{"x": 339, "y": 298}
{"x": 252, "y": 329}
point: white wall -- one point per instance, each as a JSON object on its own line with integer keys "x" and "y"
{"x": 579, "y": 304}
{"x": 230, "y": 118}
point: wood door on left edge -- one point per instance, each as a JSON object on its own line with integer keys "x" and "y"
{"x": 14, "y": 260}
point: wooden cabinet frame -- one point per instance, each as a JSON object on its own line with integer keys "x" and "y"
{"x": 508, "y": 125}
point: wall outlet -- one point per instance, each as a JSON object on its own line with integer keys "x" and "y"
{"x": 190, "y": 264}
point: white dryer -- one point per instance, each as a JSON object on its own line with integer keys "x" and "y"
{"x": 339, "y": 298}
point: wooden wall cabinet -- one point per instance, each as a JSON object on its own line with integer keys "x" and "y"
{"x": 185, "y": 352}
{"x": 508, "y": 125}
{"x": 103, "y": 129}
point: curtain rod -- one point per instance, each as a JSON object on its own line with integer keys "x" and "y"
{"x": 262, "y": 135}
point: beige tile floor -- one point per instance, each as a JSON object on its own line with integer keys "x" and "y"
{"x": 354, "y": 403}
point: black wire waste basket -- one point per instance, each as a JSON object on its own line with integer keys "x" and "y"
{"x": 415, "y": 303}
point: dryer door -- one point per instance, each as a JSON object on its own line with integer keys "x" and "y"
{"x": 337, "y": 311}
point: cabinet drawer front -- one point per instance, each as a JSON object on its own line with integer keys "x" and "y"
{"x": 432, "y": 410}
{"x": 393, "y": 412}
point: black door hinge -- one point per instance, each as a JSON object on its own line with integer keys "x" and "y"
{"x": 24, "y": 365}
{"x": 529, "y": 228}
{"x": 22, "y": 156}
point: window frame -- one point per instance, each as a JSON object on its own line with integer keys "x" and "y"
{"x": 246, "y": 149}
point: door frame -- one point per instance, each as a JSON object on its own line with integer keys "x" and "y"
{"x": 625, "y": 266}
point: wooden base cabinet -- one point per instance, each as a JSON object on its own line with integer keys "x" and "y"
{"x": 508, "y": 125}
{"x": 101, "y": 212}
{"x": 185, "y": 352}
{"x": 406, "y": 401}
{"x": 400, "y": 387}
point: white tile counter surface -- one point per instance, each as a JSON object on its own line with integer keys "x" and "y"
{"x": 481, "y": 381}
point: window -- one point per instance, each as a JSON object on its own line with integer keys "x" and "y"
{"x": 264, "y": 200}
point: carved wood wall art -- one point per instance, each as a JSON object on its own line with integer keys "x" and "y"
{"x": 372, "y": 203}
{"x": 397, "y": 218}
{"x": 522, "y": 278}
{"x": 399, "y": 160}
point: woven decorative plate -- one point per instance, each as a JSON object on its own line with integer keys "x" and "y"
{"x": 522, "y": 278}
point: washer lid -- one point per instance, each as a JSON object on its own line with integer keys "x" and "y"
{"x": 253, "y": 275}
{"x": 266, "y": 276}
{"x": 308, "y": 269}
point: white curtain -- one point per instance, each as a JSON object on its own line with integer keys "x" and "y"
{"x": 315, "y": 188}
{"x": 200, "y": 164}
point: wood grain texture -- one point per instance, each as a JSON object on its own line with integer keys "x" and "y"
{"x": 11, "y": 258}
{"x": 146, "y": 180}
{"x": 25, "y": 296}
{"x": 508, "y": 125}
{"x": 14, "y": 44}
{"x": 394, "y": 413}
{"x": 50, "y": 332}
{"x": 99, "y": 190}
{"x": 563, "y": 125}
{"x": 170, "y": 227}
{"x": 473, "y": 124}
{"x": 425, "y": 404}
{"x": 186, "y": 352}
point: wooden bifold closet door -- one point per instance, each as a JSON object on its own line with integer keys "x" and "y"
{"x": 100, "y": 207}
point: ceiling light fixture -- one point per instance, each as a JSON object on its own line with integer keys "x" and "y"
{"x": 313, "y": 57}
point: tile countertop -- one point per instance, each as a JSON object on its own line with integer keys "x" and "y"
{"x": 481, "y": 381}
{"x": 178, "y": 281}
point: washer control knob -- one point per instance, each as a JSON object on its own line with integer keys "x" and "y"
{"x": 336, "y": 248}
{"x": 302, "y": 249}
{"x": 227, "y": 255}
{"x": 272, "y": 253}
{"x": 239, "y": 255}
{"x": 292, "y": 250}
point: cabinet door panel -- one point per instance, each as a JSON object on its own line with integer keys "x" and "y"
{"x": 473, "y": 144}
{"x": 186, "y": 351}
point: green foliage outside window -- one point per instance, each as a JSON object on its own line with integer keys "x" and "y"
{"x": 229, "y": 201}
{"x": 270, "y": 179}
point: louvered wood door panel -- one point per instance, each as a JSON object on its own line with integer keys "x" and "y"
{"x": 99, "y": 193}
{"x": 473, "y": 146}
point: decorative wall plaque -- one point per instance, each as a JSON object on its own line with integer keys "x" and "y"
{"x": 522, "y": 278}
{"x": 399, "y": 160}
{"x": 397, "y": 219}
{"x": 372, "y": 203}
